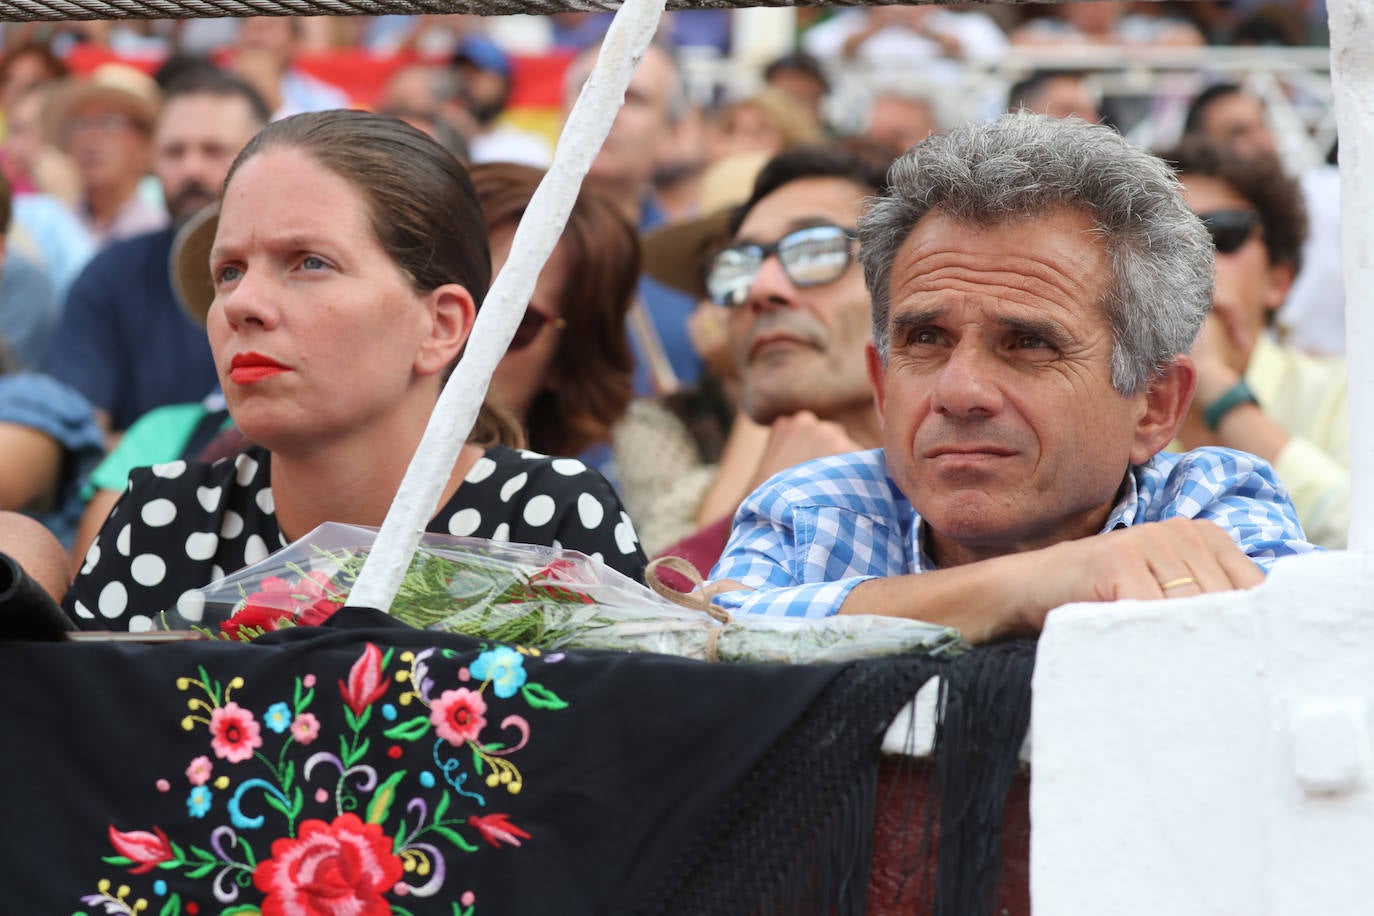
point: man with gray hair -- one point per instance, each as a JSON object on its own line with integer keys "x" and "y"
{"x": 1036, "y": 287}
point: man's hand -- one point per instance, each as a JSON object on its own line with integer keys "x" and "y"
{"x": 1011, "y": 595}
{"x": 800, "y": 437}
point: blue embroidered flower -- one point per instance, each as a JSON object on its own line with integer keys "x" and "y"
{"x": 198, "y": 802}
{"x": 504, "y": 667}
{"x": 278, "y": 717}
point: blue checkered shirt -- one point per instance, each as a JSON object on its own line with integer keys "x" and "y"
{"x": 804, "y": 539}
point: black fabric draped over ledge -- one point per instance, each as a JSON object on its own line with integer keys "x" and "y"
{"x": 415, "y": 772}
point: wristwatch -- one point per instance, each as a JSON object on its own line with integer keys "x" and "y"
{"x": 1235, "y": 396}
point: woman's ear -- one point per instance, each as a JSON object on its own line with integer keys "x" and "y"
{"x": 452, "y": 313}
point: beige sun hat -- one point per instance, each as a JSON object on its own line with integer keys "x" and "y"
{"x": 114, "y": 85}
{"x": 675, "y": 255}
{"x": 189, "y": 263}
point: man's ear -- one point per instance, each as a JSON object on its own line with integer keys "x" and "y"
{"x": 451, "y": 313}
{"x": 1166, "y": 401}
{"x": 877, "y": 377}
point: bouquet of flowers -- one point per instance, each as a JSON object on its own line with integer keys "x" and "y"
{"x": 529, "y": 595}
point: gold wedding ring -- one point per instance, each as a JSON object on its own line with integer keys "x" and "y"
{"x": 1177, "y": 583}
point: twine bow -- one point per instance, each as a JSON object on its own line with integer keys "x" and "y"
{"x": 699, "y": 599}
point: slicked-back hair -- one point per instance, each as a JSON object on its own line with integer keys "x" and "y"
{"x": 420, "y": 201}
{"x": 1025, "y": 166}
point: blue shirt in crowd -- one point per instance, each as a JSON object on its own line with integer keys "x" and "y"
{"x": 123, "y": 340}
{"x": 804, "y": 539}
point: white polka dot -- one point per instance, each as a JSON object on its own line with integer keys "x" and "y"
{"x": 526, "y": 453}
{"x": 171, "y": 470}
{"x": 254, "y": 550}
{"x": 265, "y": 500}
{"x": 122, "y": 542}
{"x": 191, "y": 605}
{"x": 557, "y": 544}
{"x": 159, "y": 513}
{"x": 539, "y": 510}
{"x": 568, "y": 467}
{"x": 502, "y": 532}
{"x": 201, "y": 545}
{"x": 148, "y": 569}
{"x": 598, "y": 557}
{"x": 216, "y": 573}
{"x": 92, "y": 557}
{"x": 209, "y": 497}
{"x": 513, "y": 486}
{"x": 114, "y": 598}
{"x": 140, "y": 623}
{"x": 232, "y": 526}
{"x": 590, "y": 511}
{"x": 247, "y": 467}
{"x": 464, "y": 522}
{"x": 625, "y": 538}
{"x": 481, "y": 470}
{"x": 82, "y": 611}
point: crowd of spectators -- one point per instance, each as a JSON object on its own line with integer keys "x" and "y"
{"x": 106, "y": 167}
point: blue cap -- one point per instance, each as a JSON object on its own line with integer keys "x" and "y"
{"x": 484, "y": 54}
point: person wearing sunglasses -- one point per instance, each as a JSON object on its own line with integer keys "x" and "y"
{"x": 567, "y": 376}
{"x": 1036, "y": 286}
{"x": 1255, "y": 392}
{"x": 783, "y": 268}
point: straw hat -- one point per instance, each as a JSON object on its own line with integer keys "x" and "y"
{"x": 190, "y": 263}
{"x": 676, "y": 255}
{"x": 113, "y": 85}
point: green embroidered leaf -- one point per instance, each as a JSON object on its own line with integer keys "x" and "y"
{"x": 172, "y": 907}
{"x": 413, "y": 730}
{"x": 363, "y": 719}
{"x": 399, "y": 842}
{"x": 476, "y": 762}
{"x": 277, "y": 804}
{"x": 245, "y": 910}
{"x": 177, "y": 852}
{"x": 381, "y": 801}
{"x": 297, "y": 802}
{"x": 303, "y": 703}
{"x": 204, "y": 855}
{"x": 117, "y": 860}
{"x": 439, "y": 808}
{"x": 289, "y": 775}
{"x": 455, "y": 838}
{"x": 200, "y": 871}
{"x": 541, "y": 697}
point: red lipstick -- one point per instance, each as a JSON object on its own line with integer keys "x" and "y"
{"x": 247, "y": 368}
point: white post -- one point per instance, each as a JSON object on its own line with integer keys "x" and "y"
{"x": 1352, "y": 80}
{"x": 535, "y": 238}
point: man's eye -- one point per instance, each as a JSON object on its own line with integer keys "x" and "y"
{"x": 228, "y": 274}
{"x": 310, "y": 262}
{"x": 1031, "y": 342}
{"x": 924, "y": 337}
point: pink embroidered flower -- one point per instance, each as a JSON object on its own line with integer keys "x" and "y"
{"x": 147, "y": 850}
{"x": 339, "y": 869}
{"x": 234, "y": 733}
{"x": 306, "y": 728}
{"x": 458, "y": 716}
{"x": 198, "y": 773}
{"x": 497, "y": 829}
{"x": 365, "y": 683}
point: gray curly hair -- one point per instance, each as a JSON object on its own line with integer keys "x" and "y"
{"x": 1025, "y": 165}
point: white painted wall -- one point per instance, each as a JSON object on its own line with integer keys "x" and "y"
{"x": 1213, "y": 755}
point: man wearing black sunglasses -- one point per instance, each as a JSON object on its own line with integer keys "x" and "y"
{"x": 1036, "y": 286}
{"x": 1255, "y": 393}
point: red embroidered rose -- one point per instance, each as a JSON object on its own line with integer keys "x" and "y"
{"x": 497, "y": 829}
{"x": 339, "y": 869}
{"x": 234, "y": 733}
{"x": 365, "y": 683}
{"x": 458, "y": 715}
{"x": 147, "y": 850}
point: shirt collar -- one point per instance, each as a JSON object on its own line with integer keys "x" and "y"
{"x": 1123, "y": 515}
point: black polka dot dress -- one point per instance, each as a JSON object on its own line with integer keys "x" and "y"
{"x": 180, "y": 526}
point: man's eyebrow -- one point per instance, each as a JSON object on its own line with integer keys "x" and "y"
{"x": 800, "y": 222}
{"x": 1045, "y": 328}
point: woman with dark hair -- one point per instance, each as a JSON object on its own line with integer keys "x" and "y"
{"x": 568, "y": 373}
{"x": 345, "y": 271}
